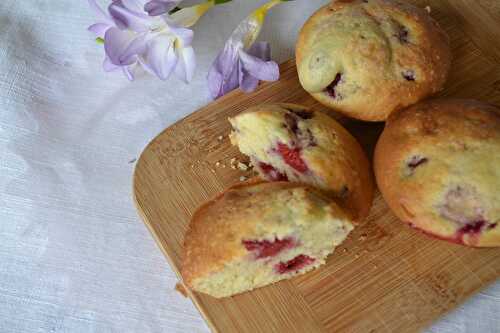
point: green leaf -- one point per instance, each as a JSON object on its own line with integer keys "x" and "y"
{"x": 220, "y": 2}
{"x": 99, "y": 40}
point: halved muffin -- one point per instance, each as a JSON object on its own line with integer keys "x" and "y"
{"x": 292, "y": 142}
{"x": 259, "y": 233}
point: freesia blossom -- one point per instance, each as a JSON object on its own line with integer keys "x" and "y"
{"x": 143, "y": 33}
{"x": 242, "y": 62}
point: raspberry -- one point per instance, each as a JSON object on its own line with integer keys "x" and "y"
{"x": 294, "y": 264}
{"x": 331, "y": 87}
{"x": 291, "y": 123}
{"x": 403, "y": 35}
{"x": 473, "y": 227}
{"x": 305, "y": 139}
{"x": 409, "y": 75}
{"x": 271, "y": 173}
{"x": 291, "y": 156}
{"x": 265, "y": 248}
{"x": 415, "y": 161}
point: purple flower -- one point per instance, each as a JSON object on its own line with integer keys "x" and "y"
{"x": 159, "y": 7}
{"x": 100, "y": 28}
{"x": 242, "y": 62}
{"x": 133, "y": 39}
{"x": 234, "y": 68}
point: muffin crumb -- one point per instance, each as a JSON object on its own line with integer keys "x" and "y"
{"x": 242, "y": 166}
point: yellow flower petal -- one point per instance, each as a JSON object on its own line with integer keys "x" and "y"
{"x": 187, "y": 17}
{"x": 255, "y": 21}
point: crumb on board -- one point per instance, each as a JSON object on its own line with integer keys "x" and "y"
{"x": 220, "y": 138}
{"x": 363, "y": 237}
{"x": 181, "y": 289}
{"x": 344, "y": 250}
{"x": 232, "y": 162}
{"x": 357, "y": 255}
{"x": 217, "y": 164}
{"x": 428, "y": 9}
{"x": 242, "y": 166}
{"x": 243, "y": 178}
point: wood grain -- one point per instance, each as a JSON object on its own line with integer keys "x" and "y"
{"x": 386, "y": 277}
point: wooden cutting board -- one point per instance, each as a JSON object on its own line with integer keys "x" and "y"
{"x": 386, "y": 277}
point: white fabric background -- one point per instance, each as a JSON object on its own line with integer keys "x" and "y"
{"x": 74, "y": 256}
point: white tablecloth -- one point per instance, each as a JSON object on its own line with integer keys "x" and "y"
{"x": 74, "y": 256}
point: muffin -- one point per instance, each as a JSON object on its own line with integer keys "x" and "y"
{"x": 437, "y": 165}
{"x": 366, "y": 59}
{"x": 259, "y": 233}
{"x": 291, "y": 142}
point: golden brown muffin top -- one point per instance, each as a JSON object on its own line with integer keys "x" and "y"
{"x": 368, "y": 58}
{"x": 438, "y": 166}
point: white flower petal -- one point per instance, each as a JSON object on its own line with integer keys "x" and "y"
{"x": 116, "y": 42}
{"x": 99, "y": 29}
{"x": 187, "y": 17}
{"x": 125, "y": 18}
{"x": 185, "y": 35}
{"x": 160, "y": 57}
{"x": 137, "y": 46}
{"x": 186, "y": 65}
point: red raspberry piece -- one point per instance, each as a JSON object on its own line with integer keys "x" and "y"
{"x": 294, "y": 264}
{"x": 291, "y": 156}
{"x": 416, "y": 161}
{"x": 331, "y": 87}
{"x": 474, "y": 227}
{"x": 271, "y": 172}
{"x": 265, "y": 248}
